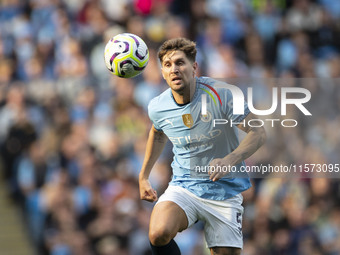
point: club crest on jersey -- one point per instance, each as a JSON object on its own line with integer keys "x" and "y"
{"x": 188, "y": 120}
{"x": 207, "y": 117}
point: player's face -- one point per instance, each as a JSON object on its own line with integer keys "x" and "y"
{"x": 178, "y": 71}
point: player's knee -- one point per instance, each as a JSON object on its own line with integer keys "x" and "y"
{"x": 160, "y": 236}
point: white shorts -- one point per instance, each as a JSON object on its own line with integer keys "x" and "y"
{"x": 222, "y": 219}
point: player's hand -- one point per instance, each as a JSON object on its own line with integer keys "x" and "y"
{"x": 146, "y": 191}
{"x": 219, "y": 169}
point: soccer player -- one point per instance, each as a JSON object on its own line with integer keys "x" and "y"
{"x": 202, "y": 187}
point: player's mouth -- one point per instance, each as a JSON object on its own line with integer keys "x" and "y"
{"x": 176, "y": 80}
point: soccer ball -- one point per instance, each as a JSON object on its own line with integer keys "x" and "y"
{"x": 126, "y": 55}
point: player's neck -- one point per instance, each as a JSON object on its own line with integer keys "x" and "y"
{"x": 185, "y": 96}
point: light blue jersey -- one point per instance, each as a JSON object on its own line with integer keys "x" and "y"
{"x": 196, "y": 141}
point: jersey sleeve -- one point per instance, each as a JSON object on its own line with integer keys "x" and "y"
{"x": 228, "y": 106}
{"x": 153, "y": 115}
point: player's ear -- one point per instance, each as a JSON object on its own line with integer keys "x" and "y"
{"x": 195, "y": 65}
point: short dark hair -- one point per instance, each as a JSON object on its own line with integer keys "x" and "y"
{"x": 182, "y": 44}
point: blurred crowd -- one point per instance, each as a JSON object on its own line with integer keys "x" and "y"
{"x": 73, "y": 136}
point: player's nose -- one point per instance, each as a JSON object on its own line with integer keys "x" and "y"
{"x": 174, "y": 69}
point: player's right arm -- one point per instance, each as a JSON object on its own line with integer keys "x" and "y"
{"x": 154, "y": 147}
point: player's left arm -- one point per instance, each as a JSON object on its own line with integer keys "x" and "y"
{"x": 254, "y": 139}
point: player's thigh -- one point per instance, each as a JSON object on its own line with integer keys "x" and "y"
{"x": 225, "y": 251}
{"x": 223, "y": 224}
{"x": 168, "y": 218}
